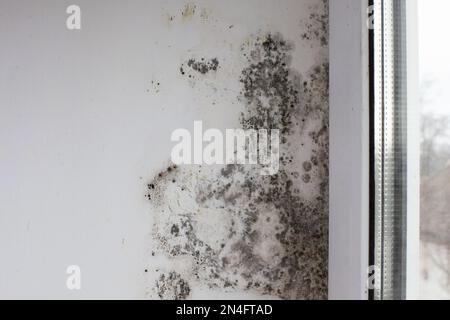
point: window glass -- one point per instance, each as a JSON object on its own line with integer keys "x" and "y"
{"x": 434, "y": 76}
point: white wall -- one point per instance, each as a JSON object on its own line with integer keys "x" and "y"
{"x": 84, "y": 127}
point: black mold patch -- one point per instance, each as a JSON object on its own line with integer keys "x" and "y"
{"x": 155, "y": 188}
{"x": 202, "y": 66}
{"x": 316, "y": 26}
{"x": 171, "y": 286}
{"x": 241, "y": 231}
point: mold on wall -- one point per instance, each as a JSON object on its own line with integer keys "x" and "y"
{"x": 230, "y": 229}
{"x": 171, "y": 286}
{"x": 202, "y": 66}
{"x": 97, "y": 107}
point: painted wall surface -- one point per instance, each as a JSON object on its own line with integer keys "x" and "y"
{"x": 86, "y": 179}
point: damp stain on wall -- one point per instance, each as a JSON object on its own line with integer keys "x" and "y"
{"x": 190, "y": 12}
{"x": 228, "y": 228}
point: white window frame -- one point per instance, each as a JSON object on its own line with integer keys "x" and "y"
{"x": 349, "y": 152}
{"x": 413, "y": 175}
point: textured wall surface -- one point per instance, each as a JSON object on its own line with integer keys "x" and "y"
{"x": 85, "y": 123}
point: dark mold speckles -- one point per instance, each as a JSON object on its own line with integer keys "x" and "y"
{"x": 270, "y": 88}
{"x": 175, "y": 230}
{"x": 156, "y": 189}
{"x": 307, "y": 166}
{"x": 306, "y": 178}
{"x": 201, "y": 66}
{"x": 171, "y": 286}
{"x": 156, "y": 86}
{"x": 316, "y": 26}
{"x": 241, "y": 231}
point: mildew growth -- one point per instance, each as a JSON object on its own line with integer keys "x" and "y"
{"x": 188, "y": 10}
{"x": 202, "y": 66}
{"x": 316, "y": 26}
{"x": 171, "y": 286}
{"x": 236, "y": 230}
{"x": 156, "y": 86}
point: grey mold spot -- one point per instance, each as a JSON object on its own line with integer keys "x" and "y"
{"x": 203, "y": 66}
{"x": 241, "y": 231}
{"x": 171, "y": 286}
{"x": 156, "y": 86}
{"x": 316, "y": 27}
